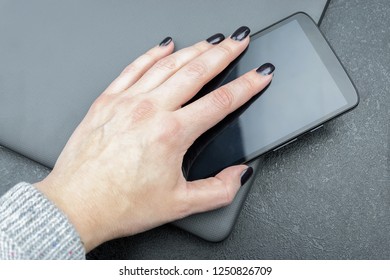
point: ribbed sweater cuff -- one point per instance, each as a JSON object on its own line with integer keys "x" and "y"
{"x": 35, "y": 228}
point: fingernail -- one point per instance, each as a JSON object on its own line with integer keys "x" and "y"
{"x": 266, "y": 69}
{"x": 165, "y": 42}
{"x": 241, "y": 33}
{"x": 216, "y": 39}
{"x": 245, "y": 175}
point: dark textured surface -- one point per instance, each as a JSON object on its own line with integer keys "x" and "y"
{"x": 326, "y": 196}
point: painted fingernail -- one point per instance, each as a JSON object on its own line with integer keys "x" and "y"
{"x": 216, "y": 39}
{"x": 266, "y": 69}
{"x": 241, "y": 33}
{"x": 245, "y": 175}
{"x": 165, "y": 42}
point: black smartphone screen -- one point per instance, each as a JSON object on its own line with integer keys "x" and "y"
{"x": 302, "y": 95}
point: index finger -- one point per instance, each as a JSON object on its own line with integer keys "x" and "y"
{"x": 207, "y": 111}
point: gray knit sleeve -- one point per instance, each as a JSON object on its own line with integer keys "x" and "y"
{"x": 32, "y": 227}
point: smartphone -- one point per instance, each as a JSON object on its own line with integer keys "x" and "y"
{"x": 309, "y": 88}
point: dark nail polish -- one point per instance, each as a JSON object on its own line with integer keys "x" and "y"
{"x": 266, "y": 69}
{"x": 245, "y": 175}
{"x": 216, "y": 39}
{"x": 165, "y": 42}
{"x": 241, "y": 33}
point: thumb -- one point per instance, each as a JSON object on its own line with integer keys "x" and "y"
{"x": 215, "y": 192}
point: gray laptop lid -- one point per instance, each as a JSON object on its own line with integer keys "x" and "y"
{"x": 56, "y": 57}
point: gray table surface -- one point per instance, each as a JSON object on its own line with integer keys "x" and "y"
{"x": 326, "y": 196}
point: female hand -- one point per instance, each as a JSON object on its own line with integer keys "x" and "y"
{"x": 120, "y": 172}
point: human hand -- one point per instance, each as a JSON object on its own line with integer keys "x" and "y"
{"x": 120, "y": 172}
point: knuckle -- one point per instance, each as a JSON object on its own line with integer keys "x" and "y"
{"x": 148, "y": 56}
{"x": 144, "y": 109}
{"x": 131, "y": 68}
{"x": 145, "y": 59}
{"x": 247, "y": 84}
{"x": 196, "y": 69}
{"x": 229, "y": 195}
{"x": 99, "y": 103}
{"x": 139, "y": 63}
{"x": 169, "y": 130}
{"x": 226, "y": 192}
{"x": 226, "y": 50}
{"x": 223, "y": 98}
{"x": 166, "y": 64}
{"x": 198, "y": 49}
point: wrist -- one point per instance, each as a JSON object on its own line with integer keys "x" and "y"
{"x": 69, "y": 205}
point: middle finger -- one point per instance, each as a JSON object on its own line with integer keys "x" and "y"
{"x": 187, "y": 81}
{"x": 167, "y": 66}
